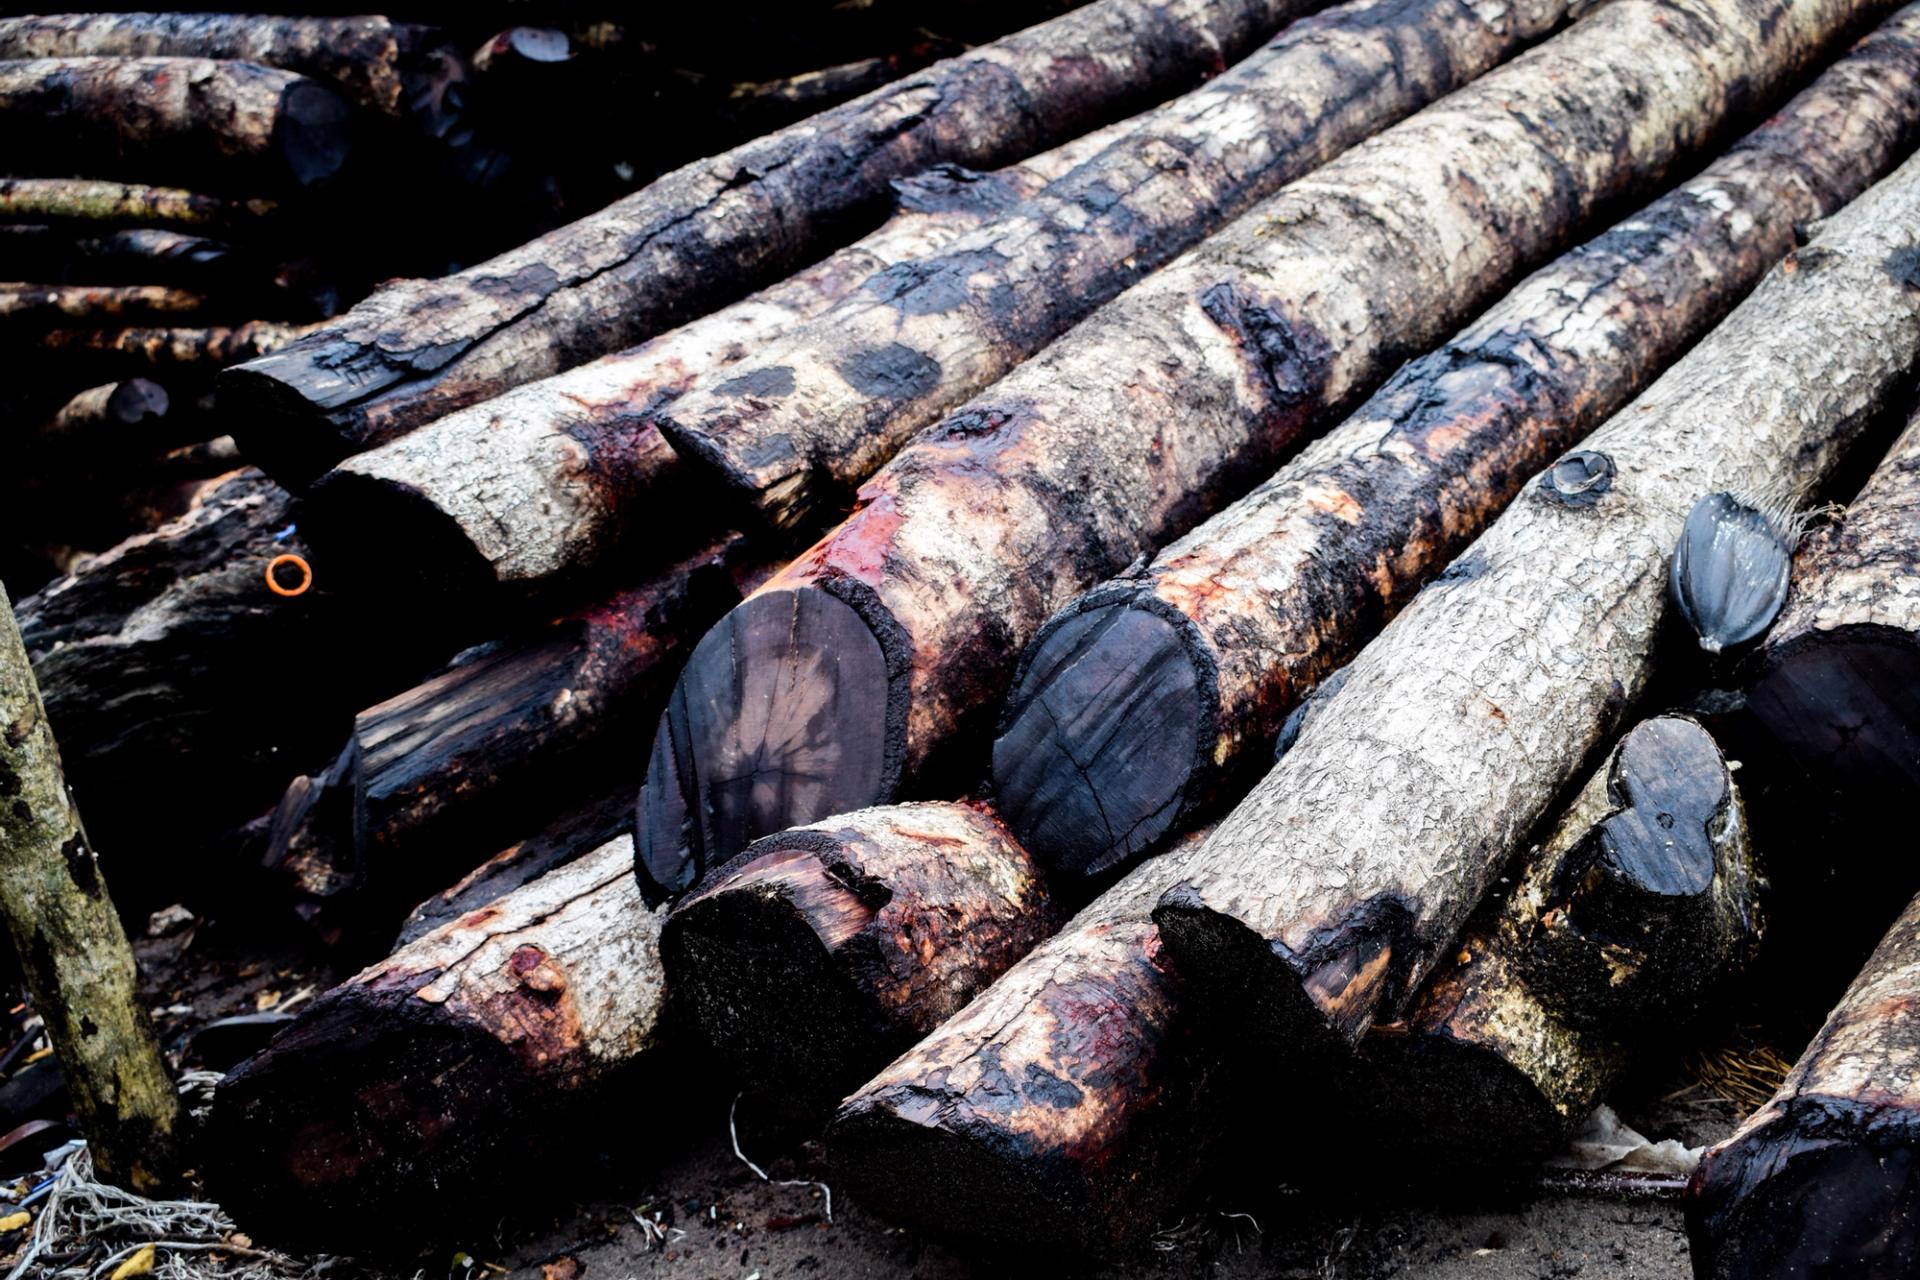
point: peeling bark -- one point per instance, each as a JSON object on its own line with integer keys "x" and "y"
{"x": 242, "y": 126}
{"x": 541, "y": 480}
{"x": 854, "y": 384}
{"x": 1160, "y": 407}
{"x": 433, "y": 1078}
{"x": 714, "y": 229}
{"x": 1640, "y": 901}
{"x": 1331, "y": 891}
{"x": 821, "y": 952}
{"x": 1825, "y": 1179}
{"x": 1218, "y": 639}
{"x": 83, "y": 200}
{"x": 79, "y": 969}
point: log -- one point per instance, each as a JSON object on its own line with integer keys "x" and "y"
{"x": 1639, "y": 903}
{"x": 143, "y": 255}
{"x": 1065, "y": 1108}
{"x": 1216, "y": 640}
{"x": 834, "y": 398}
{"x": 114, "y": 417}
{"x": 241, "y": 125}
{"x": 1822, "y": 1180}
{"x": 376, "y": 63}
{"x": 712, "y": 230}
{"x": 1836, "y": 693}
{"x": 48, "y": 304}
{"x": 821, "y": 952}
{"x": 1156, "y": 411}
{"x": 543, "y": 480}
{"x": 520, "y": 52}
{"x": 1455, "y": 729}
{"x": 435, "y": 1078}
{"x": 78, "y": 967}
{"x": 96, "y": 352}
{"x": 501, "y": 740}
{"x": 104, "y": 204}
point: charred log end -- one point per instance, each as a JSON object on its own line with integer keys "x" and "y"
{"x": 278, "y": 429}
{"x": 385, "y": 536}
{"x": 1842, "y": 708}
{"x": 313, "y": 132}
{"x": 780, "y": 718}
{"x": 136, "y": 401}
{"x": 1454, "y": 1105}
{"x": 1101, "y": 738}
{"x": 1831, "y": 1186}
{"x": 753, "y": 959}
{"x": 315, "y": 1142}
{"x": 903, "y": 1155}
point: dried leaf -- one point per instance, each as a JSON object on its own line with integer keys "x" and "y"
{"x": 140, "y": 1264}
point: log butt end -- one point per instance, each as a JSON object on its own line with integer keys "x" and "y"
{"x": 1452, "y": 1105}
{"x": 278, "y": 428}
{"x": 137, "y": 400}
{"x": 1828, "y": 1186}
{"x": 781, "y": 717}
{"x": 1093, "y": 762}
{"x": 385, "y": 535}
{"x": 313, "y": 132}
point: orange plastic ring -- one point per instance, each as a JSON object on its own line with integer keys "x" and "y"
{"x": 306, "y": 576}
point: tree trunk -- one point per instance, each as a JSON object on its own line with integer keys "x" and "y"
{"x": 1217, "y": 639}
{"x": 508, "y": 736}
{"x": 541, "y": 480}
{"x": 710, "y": 231}
{"x": 833, "y": 399}
{"x": 1332, "y": 891}
{"x": 47, "y": 304}
{"x": 243, "y": 126}
{"x": 79, "y": 969}
{"x": 139, "y": 256}
{"x": 1064, "y": 1108}
{"x": 1641, "y": 900}
{"x": 1824, "y": 1179}
{"x": 113, "y": 418}
{"x": 106, "y": 353}
{"x": 1159, "y": 407}
{"x": 821, "y": 952}
{"x": 377, "y": 63}
{"x": 1837, "y": 693}
{"x": 431, "y": 1079}
{"x": 83, "y": 200}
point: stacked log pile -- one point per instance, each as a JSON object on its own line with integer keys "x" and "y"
{"x": 1209, "y": 678}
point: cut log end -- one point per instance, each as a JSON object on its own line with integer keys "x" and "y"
{"x": 1845, "y": 707}
{"x": 779, "y": 719}
{"x": 313, "y": 132}
{"x": 285, "y": 433}
{"x": 1095, "y": 755}
{"x": 137, "y": 400}
{"x": 1470, "y": 1106}
{"x": 386, "y": 535}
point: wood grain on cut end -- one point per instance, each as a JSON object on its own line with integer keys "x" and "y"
{"x": 313, "y": 132}
{"x": 1097, "y": 744}
{"x": 780, "y": 718}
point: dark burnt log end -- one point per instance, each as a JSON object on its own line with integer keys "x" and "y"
{"x": 1068, "y": 1107}
{"x": 88, "y": 202}
{"x": 712, "y": 230}
{"x": 507, "y": 738}
{"x": 780, "y": 718}
{"x": 1836, "y": 693}
{"x": 1372, "y": 839}
{"x": 1825, "y": 1179}
{"x": 1163, "y": 406}
{"x": 236, "y": 124}
{"x": 371, "y": 60}
{"x": 543, "y": 481}
{"x": 1616, "y": 923}
{"x": 439, "y": 1076}
{"x": 925, "y": 335}
{"x": 821, "y": 952}
{"x": 1263, "y": 601}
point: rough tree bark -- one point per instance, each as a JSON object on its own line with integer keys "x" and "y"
{"x": 821, "y": 952}
{"x": 1217, "y": 639}
{"x": 540, "y": 481}
{"x": 377, "y": 63}
{"x": 432, "y": 1078}
{"x": 1825, "y": 1179}
{"x": 816, "y": 412}
{"x": 42, "y": 304}
{"x": 1837, "y": 692}
{"x": 78, "y": 966}
{"x": 1333, "y": 889}
{"x": 1639, "y": 902}
{"x": 516, "y": 732}
{"x": 242, "y": 126}
{"x": 710, "y": 231}
{"x": 106, "y": 353}
{"x": 1159, "y": 407}
{"x": 84, "y": 200}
